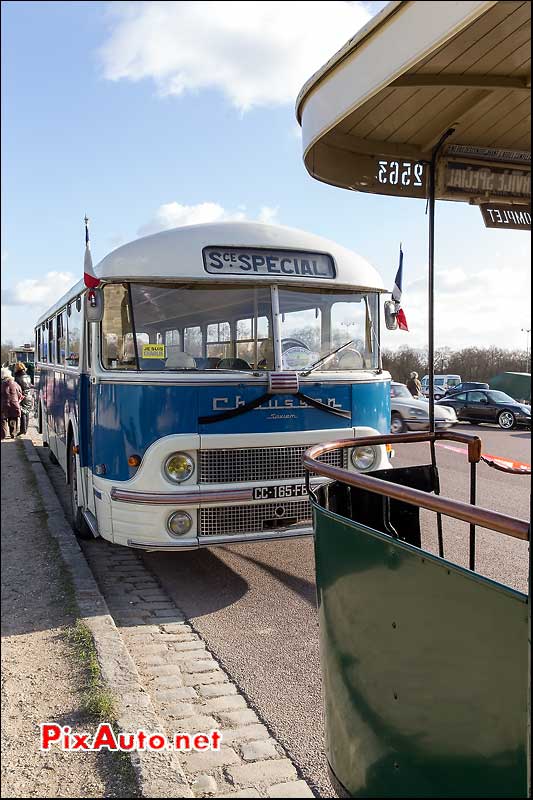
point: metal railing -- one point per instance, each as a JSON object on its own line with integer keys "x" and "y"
{"x": 466, "y": 512}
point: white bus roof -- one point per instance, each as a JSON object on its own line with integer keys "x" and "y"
{"x": 178, "y": 254}
{"x": 417, "y": 69}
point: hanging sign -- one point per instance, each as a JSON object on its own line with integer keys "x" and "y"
{"x": 501, "y": 215}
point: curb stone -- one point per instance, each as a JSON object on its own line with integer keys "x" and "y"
{"x": 159, "y": 774}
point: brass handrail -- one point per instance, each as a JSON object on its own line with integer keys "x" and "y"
{"x": 493, "y": 520}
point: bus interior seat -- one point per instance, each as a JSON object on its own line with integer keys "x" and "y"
{"x": 177, "y": 359}
{"x": 153, "y": 364}
{"x": 207, "y": 363}
{"x": 233, "y": 363}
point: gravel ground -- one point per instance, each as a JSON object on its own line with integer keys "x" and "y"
{"x": 41, "y": 679}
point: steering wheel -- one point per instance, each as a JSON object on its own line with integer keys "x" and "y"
{"x": 346, "y": 354}
{"x": 287, "y": 343}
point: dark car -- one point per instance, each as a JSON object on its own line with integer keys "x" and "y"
{"x": 487, "y": 405}
{"x": 465, "y": 386}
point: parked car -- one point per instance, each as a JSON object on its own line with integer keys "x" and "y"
{"x": 441, "y": 384}
{"x": 410, "y": 414}
{"x": 488, "y": 405}
{"x": 465, "y": 386}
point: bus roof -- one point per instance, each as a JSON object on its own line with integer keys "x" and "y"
{"x": 178, "y": 254}
{"x": 416, "y": 70}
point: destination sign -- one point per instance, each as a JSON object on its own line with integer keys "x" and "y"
{"x": 463, "y": 179}
{"x": 519, "y": 157}
{"x": 256, "y": 261}
{"x": 499, "y": 215}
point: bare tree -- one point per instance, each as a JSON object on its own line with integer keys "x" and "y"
{"x": 4, "y": 351}
{"x": 471, "y": 363}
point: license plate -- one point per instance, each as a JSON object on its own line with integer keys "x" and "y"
{"x": 279, "y": 492}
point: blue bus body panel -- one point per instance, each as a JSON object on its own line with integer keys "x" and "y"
{"x": 131, "y": 417}
{"x": 66, "y": 395}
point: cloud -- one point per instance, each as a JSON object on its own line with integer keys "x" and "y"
{"x": 476, "y": 309}
{"x": 268, "y": 214}
{"x": 174, "y": 215}
{"x": 255, "y": 53}
{"x": 38, "y": 292}
{"x": 23, "y": 303}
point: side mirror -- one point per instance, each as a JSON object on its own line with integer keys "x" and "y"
{"x": 94, "y": 305}
{"x": 391, "y": 322}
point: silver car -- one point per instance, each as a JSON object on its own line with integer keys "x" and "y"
{"x": 411, "y": 414}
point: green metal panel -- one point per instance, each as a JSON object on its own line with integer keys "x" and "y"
{"x": 425, "y": 669}
{"x": 516, "y": 384}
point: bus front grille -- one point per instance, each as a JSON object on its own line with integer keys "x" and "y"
{"x": 234, "y": 520}
{"x": 260, "y": 464}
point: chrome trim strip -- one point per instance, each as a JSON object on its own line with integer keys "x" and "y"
{"x": 201, "y": 496}
{"x": 190, "y": 544}
{"x": 181, "y": 498}
{"x": 220, "y": 540}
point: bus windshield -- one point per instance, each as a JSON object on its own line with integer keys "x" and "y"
{"x": 182, "y": 327}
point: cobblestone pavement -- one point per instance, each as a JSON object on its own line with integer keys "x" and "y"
{"x": 190, "y": 691}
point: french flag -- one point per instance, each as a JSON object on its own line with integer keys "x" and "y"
{"x": 397, "y": 295}
{"x": 89, "y": 278}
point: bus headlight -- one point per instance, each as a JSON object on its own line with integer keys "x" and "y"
{"x": 363, "y": 457}
{"x": 179, "y": 467}
{"x": 179, "y": 523}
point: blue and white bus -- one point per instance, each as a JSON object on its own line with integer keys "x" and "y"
{"x": 224, "y": 351}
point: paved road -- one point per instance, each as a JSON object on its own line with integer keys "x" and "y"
{"x": 255, "y": 604}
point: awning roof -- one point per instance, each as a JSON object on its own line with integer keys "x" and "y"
{"x": 416, "y": 70}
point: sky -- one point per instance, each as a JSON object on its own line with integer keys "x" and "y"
{"x": 150, "y": 115}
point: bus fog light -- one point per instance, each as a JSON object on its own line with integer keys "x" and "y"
{"x": 179, "y": 523}
{"x": 179, "y": 467}
{"x": 363, "y": 457}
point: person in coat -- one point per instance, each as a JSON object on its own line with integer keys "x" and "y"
{"x": 414, "y": 385}
{"x": 11, "y": 400}
{"x": 26, "y": 405}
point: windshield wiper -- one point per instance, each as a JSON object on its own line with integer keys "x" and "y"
{"x": 325, "y": 358}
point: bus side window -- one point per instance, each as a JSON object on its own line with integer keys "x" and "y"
{"x": 51, "y": 341}
{"x": 193, "y": 341}
{"x": 73, "y": 334}
{"x": 61, "y": 340}
{"x": 117, "y": 346}
{"x": 44, "y": 342}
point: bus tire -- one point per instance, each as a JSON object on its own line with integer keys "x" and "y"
{"x": 77, "y": 520}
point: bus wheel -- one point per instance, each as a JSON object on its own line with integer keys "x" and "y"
{"x": 77, "y": 520}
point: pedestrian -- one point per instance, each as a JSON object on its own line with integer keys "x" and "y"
{"x": 414, "y": 385}
{"x": 26, "y": 405}
{"x": 11, "y": 400}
